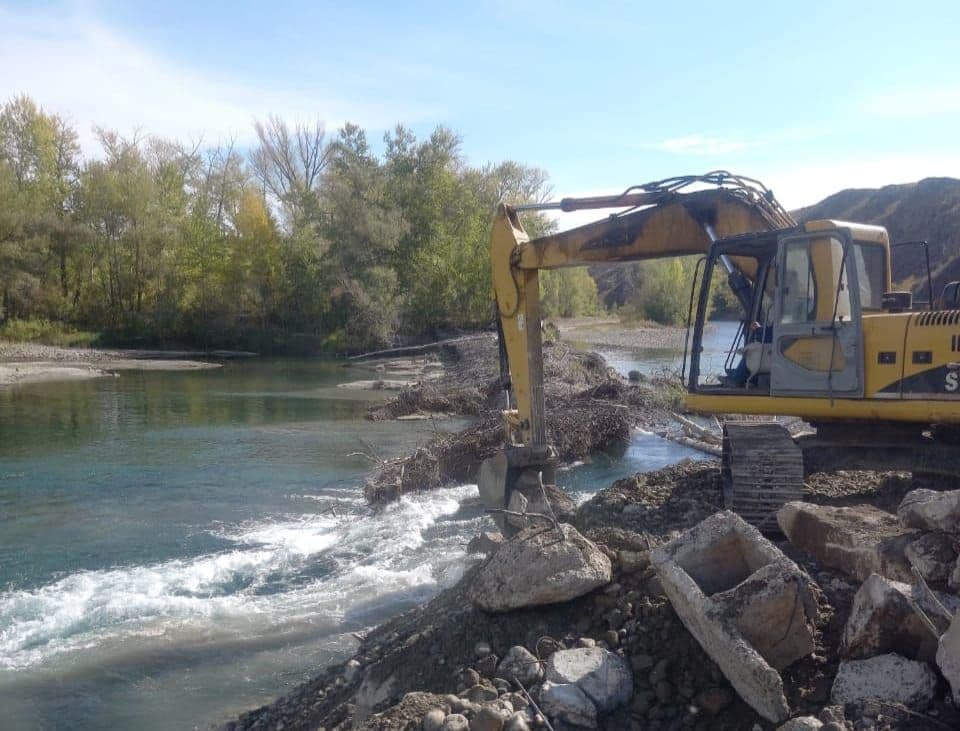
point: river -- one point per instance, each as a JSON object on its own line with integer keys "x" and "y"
{"x": 176, "y": 548}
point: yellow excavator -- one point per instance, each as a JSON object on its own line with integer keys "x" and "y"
{"x": 822, "y": 336}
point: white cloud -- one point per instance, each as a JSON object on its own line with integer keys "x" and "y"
{"x": 700, "y": 145}
{"x": 75, "y": 65}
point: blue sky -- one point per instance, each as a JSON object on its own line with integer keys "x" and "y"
{"x": 810, "y": 97}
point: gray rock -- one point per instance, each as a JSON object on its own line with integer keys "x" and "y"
{"x": 490, "y": 718}
{"x": 601, "y": 674}
{"x": 433, "y": 720}
{"x": 517, "y": 722}
{"x": 455, "y": 722}
{"x": 931, "y": 510}
{"x": 566, "y": 702}
{"x": 858, "y": 541}
{"x": 482, "y": 649}
{"x": 882, "y": 619}
{"x": 934, "y": 555}
{"x": 521, "y": 664}
{"x": 539, "y": 567}
{"x": 948, "y": 657}
{"x": 479, "y": 694}
{"x": 889, "y": 678}
{"x": 802, "y": 723}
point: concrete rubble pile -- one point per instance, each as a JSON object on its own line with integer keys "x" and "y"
{"x": 903, "y": 630}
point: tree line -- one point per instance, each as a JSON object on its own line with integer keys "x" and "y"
{"x": 305, "y": 241}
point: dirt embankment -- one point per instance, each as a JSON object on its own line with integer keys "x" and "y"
{"x": 410, "y": 664}
{"x": 590, "y": 407}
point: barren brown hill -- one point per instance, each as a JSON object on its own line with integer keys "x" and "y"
{"x": 928, "y": 210}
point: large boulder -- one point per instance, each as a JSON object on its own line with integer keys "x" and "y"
{"x": 933, "y": 554}
{"x": 883, "y": 619}
{"x": 948, "y": 657}
{"x": 931, "y": 510}
{"x": 539, "y": 566}
{"x": 604, "y": 676}
{"x": 858, "y": 541}
{"x": 566, "y": 702}
{"x": 889, "y": 678}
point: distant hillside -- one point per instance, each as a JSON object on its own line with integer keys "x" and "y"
{"x": 928, "y": 210}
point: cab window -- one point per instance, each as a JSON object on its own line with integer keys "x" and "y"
{"x": 870, "y": 262}
{"x": 799, "y": 286}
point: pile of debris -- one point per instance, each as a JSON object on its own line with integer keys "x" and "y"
{"x": 590, "y": 408}
{"x": 655, "y": 609}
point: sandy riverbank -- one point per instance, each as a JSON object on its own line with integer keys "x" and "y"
{"x": 22, "y": 363}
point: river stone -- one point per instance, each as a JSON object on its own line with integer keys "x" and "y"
{"x": 604, "y": 676}
{"x": 490, "y": 718}
{"x": 931, "y": 510}
{"x": 802, "y": 723}
{"x": 566, "y": 702}
{"x": 433, "y": 720}
{"x": 539, "y": 567}
{"x": 455, "y": 722}
{"x": 889, "y": 678}
{"x": 521, "y": 664}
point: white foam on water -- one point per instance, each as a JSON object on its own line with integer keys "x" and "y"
{"x": 260, "y": 586}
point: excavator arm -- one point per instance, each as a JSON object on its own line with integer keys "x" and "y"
{"x": 663, "y": 220}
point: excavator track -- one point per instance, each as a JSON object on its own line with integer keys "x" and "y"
{"x": 762, "y": 468}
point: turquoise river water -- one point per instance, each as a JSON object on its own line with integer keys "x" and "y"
{"x": 176, "y": 548}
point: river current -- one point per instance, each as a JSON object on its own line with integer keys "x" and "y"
{"x": 176, "y": 548}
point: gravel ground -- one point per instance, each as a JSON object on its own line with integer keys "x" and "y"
{"x": 610, "y": 331}
{"x": 33, "y": 363}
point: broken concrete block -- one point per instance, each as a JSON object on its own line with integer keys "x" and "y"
{"x": 931, "y": 510}
{"x": 603, "y": 675}
{"x": 889, "y": 678}
{"x": 858, "y": 541}
{"x": 933, "y": 554}
{"x": 883, "y": 619}
{"x": 566, "y": 702}
{"x": 750, "y": 607}
{"x": 948, "y": 657}
{"x": 539, "y": 566}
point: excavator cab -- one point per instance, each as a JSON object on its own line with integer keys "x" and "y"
{"x": 801, "y": 329}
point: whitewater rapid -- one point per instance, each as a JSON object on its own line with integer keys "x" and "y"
{"x": 336, "y": 565}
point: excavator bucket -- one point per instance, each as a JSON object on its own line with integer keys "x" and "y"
{"x": 519, "y": 470}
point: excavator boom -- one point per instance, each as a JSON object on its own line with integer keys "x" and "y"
{"x": 671, "y": 221}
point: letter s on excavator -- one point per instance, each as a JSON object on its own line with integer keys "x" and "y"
{"x": 835, "y": 347}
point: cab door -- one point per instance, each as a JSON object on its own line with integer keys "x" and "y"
{"x": 817, "y": 333}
